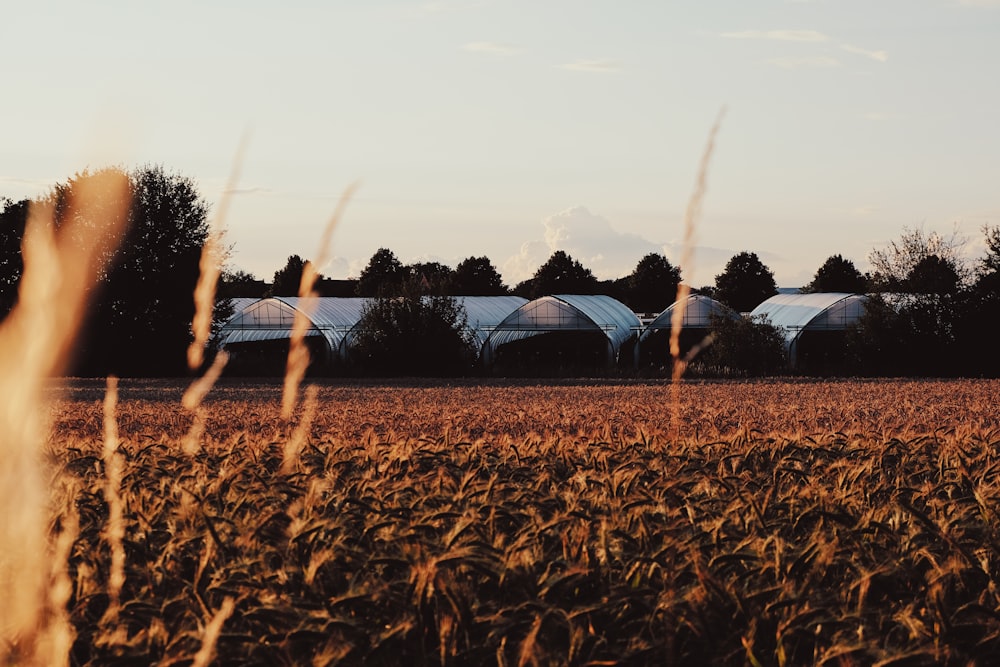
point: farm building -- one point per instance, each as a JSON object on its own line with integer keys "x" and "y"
{"x": 815, "y": 326}
{"x": 699, "y": 311}
{"x": 257, "y": 335}
{"x": 563, "y": 334}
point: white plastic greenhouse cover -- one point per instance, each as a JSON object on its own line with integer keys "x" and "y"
{"x": 272, "y": 319}
{"x": 567, "y": 312}
{"x": 698, "y": 314}
{"x": 335, "y": 317}
{"x": 827, "y": 311}
{"x": 484, "y": 313}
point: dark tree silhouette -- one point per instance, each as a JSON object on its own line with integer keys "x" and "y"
{"x": 837, "y": 275}
{"x": 13, "y": 218}
{"x": 412, "y": 334}
{"x": 288, "y": 278}
{"x": 431, "y": 277}
{"x": 652, "y": 286}
{"x": 235, "y": 283}
{"x": 892, "y": 265}
{"x": 745, "y": 283}
{"x": 476, "y": 276}
{"x": 933, "y": 274}
{"x": 384, "y": 275}
{"x": 140, "y": 322}
{"x": 561, "y": 274}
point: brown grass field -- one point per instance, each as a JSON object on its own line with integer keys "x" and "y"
{"x": 789, "y": 522}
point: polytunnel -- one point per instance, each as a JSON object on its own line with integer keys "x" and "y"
{"x": 257, "y": 336}
{"x": 699, "y": 313}
{"x": 814, "y": 326}
{"x": 563, "y": 334}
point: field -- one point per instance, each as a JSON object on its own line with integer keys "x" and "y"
{"x": 783, "y": 522}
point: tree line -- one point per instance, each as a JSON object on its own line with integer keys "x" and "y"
{"x": 932, "y": 313}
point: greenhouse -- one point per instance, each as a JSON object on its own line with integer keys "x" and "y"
{"x": 696, "y": 324}
{"x": 815, "y": 326}
{"x": 257, "y": 336}
{"x": 564, "y": 334}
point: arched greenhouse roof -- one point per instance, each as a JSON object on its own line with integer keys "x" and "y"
{"x": 568, "y": 312}
{"x": 698, "y": 313}
{"x": 272, "y": 319}
{"x": 818, "y": 311}
{"x": 484, "y": 313}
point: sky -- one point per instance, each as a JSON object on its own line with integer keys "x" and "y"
{"x": 512, "y": 128}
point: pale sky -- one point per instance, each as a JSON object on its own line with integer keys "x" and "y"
{"x": 513, "y": 128}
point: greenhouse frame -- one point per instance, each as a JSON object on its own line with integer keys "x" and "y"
{"x": 814, "y": 325}
{"x": 696, "y": 324}
{"x": 563, "y": 332}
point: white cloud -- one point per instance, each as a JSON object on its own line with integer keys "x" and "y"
{"x": 491, "y": 47}
{"x": 588, "y": 238}
{"x": 592, "y": 66}
{"x": 979, "y": 3}
{"x": 879, "y": 116}
{"x": 880, "y": 56}
{"x": 779, "y": 35}
{"x": 799, "y": 63}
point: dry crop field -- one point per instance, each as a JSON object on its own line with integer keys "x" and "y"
{"x": 840, "y": 523}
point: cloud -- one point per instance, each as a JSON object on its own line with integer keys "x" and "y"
{"x": 491, "y": 47}
{"x": 779, "y": 35}
{"x": 592, "y": 66}
{"x": 879, "y": 116}
{"x": 978, "y": 3}
{"x": 588, "y": 238}
{"x": 880, "y": 56}
{"x": 799, "y": 63}
{"x": 251, "y": 190}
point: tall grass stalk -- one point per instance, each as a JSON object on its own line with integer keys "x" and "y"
{"x": 298, "y": 353}
{"x": 115, "y": 529}
{"x": 60, "y": 268}
{"x": 213, "y": 254}
{"x": 212, "y": 631}
{"x": 691, "y": 215}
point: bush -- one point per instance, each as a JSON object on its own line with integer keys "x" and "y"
{"x": 743, "y": 347}
{"x": 412, "y": 335}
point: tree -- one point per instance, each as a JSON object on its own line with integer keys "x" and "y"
{"x": 652, "y": 286}
{"x": 413, "y": 334}
{"x": 288, "y": 279}
{"x": 892, "y": 266}
{"x": 743, "y": 346}
{"x": 234, "y": 283}
{"x": 431, "y": 277}
{"x": 13, "y": 218}
{"x": 745, "y": 283}
{"x": 384, "y": 275}
{"x": 476, "y": 276}
{"x": 141, "y": 319}
{"x": 932, "y": 275}
{"x": 837, "y": 275}
{"x": 561, "y": 274}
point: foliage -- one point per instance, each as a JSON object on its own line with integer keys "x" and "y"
{"x": 745, "y": 347}
{"x": 932, "y": 274}
{"x": 745, "y": 283}
{"x": 652, "y": 285}
{"x": 431, "y": 277}
{"x": 141, "y": 311}
{"x": 234, "y": 283}
{"x": 288, "y": 279}
{"x": 893, "y": 265}
{"x": 837, "y": 275}
{"x": 13, "y": 218}
{"x": 477, "y": 276}
{"x": 383, "y": 276}
{"x": 561, "y": 274}
{"x": 412, "y": 334}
